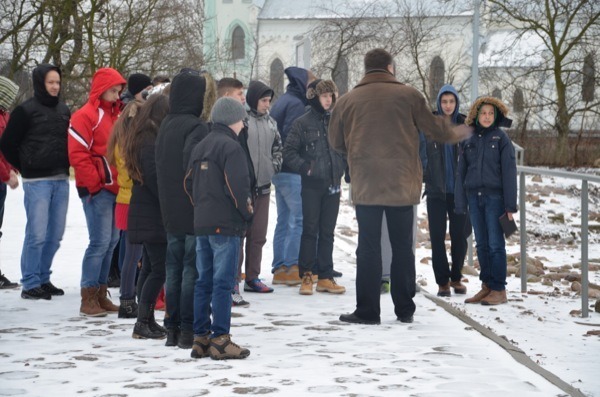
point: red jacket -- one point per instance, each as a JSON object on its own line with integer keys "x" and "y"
{"x": 89, "y": 131}
{"x": 5, "y": 166}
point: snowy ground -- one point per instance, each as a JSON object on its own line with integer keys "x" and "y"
{"x": 298, "y": 346}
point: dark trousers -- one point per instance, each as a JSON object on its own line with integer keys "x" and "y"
{"x": 319, "y": 216}
{"x": 153, "y": 270}
{"x": 256, "y": 237}
{"x": 368, "y": 260}
{"x": 439, "y": 210}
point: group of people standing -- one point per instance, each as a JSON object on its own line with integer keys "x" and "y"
{"x": 184, "y": 171}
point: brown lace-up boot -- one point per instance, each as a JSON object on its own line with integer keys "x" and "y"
{"x": 103, "y": 300}
{"x": 89, "y": 303}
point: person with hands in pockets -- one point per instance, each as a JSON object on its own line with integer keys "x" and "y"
{"x": 96, "y": 182}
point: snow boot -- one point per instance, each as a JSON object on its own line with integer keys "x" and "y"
{"x": 103, "y": 300}
{"x": 89, "y": 303}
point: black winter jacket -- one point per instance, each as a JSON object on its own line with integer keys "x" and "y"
{"x": 307, "y": 151}
{"x": 218, "y": 184}
{"x": 144, "y": 224}
{"x": 434, "y": 174}
{"x": 179, "y": 133}
{"x": 35, "y": 139}
{"x": 487, "y": 165}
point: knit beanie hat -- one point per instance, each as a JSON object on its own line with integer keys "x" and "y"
{"x": 228, "y": 111}
{"x": 8, "y": 92}
{"x": 137, "y": 82}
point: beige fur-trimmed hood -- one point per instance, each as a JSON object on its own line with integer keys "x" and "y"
{"x": 501, "y": 120}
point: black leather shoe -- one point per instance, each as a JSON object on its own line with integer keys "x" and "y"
{"x": 337, "y": 274}
{"x": 172, "y": 336}
{"x": 354, "y": 319}
{"x": 406, "y": 320}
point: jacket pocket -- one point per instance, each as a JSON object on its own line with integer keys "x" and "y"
{"x": 103, "y": 169}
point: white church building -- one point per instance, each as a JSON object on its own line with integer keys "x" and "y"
{"x": 431, "y": 41}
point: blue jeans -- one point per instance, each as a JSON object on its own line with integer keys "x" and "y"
{"x": 104, "y": 236}
{"x": 216, "y": 260}
{"x": 491, "y": 252}
{"x": 181, "y": 277}
{"x": 288, "y": 232}
{"x": 46, "y": 203}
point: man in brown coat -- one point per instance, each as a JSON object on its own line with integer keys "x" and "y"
{"x": 377, "y": 125}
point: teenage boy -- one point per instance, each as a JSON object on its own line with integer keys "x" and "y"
{"x": 233, "y": 88}
{"x": 264, "y": 144}
{"x": 35, "y": 143}
{"x": 439, "y": 177}
{"x": 96, "y": 183}
{"x": 219, "y": 182}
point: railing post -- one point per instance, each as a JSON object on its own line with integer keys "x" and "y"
{"x": 584, "y": 249}
{"x": 523, "y": 232}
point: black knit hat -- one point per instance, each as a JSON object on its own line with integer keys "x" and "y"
{"x": 137, "y": 82}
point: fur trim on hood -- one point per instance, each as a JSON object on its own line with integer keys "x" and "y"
{"x": 501, "y": 119}
{"x": 210, "y": 95}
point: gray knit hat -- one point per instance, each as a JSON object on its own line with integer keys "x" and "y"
{"x": 228, "y": 111}
{"x": 8, "y": 92}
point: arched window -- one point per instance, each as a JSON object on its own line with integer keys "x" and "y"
{"x": 589, "y": 78}
{"x": 497, "y": 93}
{"x": 518, "y": 101}
{"x": 276, "y": 77}
{"x": 437, "y": 76}
{"x": 340, "y": 76}
{"x": 238, "y": 43}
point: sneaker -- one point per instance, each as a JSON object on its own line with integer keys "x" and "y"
{"x": 306, "y": 288}
{"x": 329, "y": 285}
{"x": 385, "y": 287}
{"x": 257, "y": 286}
{"x": 35, "y": 294}
{"x": 222, "y": 348}
{"x": 201, "y": 346}
{"x": 238, "y": 299}
{"x": 6, "y": 283}
{"x": 280, "y": 276}
{"x": 51, "y": 289}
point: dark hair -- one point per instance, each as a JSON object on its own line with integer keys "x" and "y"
{"x": 143, "y": 127}
{"x": 378, "y": 59}
{"x": 226, "y": 84}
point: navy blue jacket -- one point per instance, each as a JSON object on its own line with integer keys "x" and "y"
{"x": 486, "y": 165}
{"x": 292, "y": 104}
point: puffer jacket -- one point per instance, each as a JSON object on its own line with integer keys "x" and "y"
{"x": 487, "y": 161}
{"x": 307, "y": 151}
{"x": 35, "y": 139}
{"x": 89, "y": 132}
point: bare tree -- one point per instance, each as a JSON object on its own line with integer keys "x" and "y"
{"x": 568, "y": 30}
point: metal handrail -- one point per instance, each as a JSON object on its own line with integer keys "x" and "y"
{"x": 584, "y": 178}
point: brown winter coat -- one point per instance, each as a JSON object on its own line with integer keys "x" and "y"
{"x": 377, "y": 125}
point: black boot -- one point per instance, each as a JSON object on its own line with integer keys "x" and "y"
{"x": 142, "y": 329}
{"x": 186, "y": 339}
{"x": 128, "y": 308}
{"x": 154, "y": 326}
{"x": 172, "y": 336}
